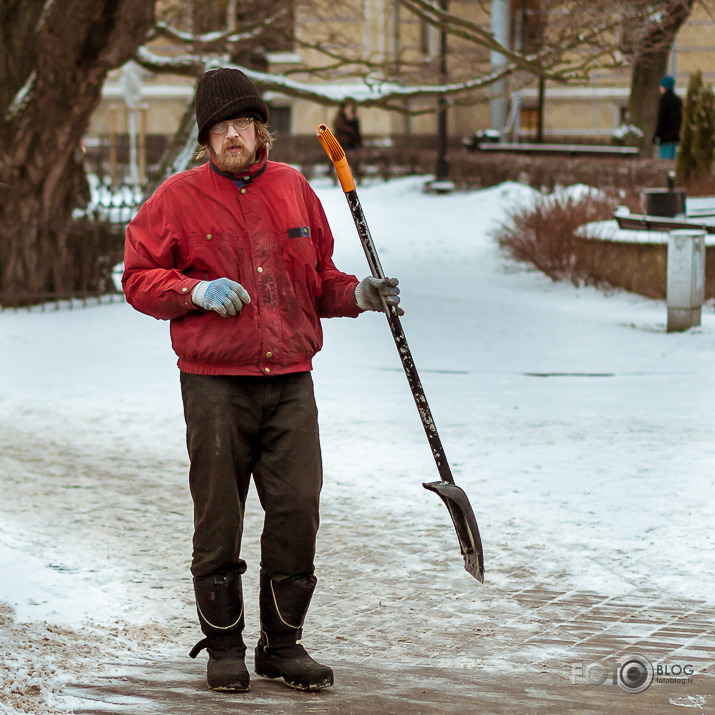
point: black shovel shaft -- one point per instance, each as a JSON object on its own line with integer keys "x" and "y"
{"x": 403, "y": 348}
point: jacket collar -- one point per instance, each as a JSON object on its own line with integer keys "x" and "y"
{"x": 248, "y": 175}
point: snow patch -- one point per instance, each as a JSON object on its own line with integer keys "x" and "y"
{"x": 22, "y": 98}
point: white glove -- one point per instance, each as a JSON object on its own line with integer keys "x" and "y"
{"x": 369, "y": 290}
{"x": 223, "y": 295}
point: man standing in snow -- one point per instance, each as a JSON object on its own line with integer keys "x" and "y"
{"x": 237, "y": 254}
{"x": 670, "y": 114}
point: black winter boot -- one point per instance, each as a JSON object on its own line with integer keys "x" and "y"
{"x": 219, "y": 602}
{"x": 279, "y": 653}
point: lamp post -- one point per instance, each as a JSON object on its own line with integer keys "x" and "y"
{"x": 442, "y": 182}
{"x": 442, "y": 169}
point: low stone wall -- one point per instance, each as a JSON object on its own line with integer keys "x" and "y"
{"x": 636, "y": 266}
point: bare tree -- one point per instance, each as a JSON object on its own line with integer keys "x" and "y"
{"x": 55, "y": 60}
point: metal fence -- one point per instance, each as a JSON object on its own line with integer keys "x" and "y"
{"x": 93, "y": 247}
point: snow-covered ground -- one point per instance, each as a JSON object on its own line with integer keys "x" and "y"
{"x": 582, "y": 432}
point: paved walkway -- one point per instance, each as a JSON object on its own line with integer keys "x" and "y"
{"x": 548, "y": 672}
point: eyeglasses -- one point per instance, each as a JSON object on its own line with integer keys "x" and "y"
{"x": 240, "y": 124}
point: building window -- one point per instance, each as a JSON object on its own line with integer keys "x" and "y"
{"x": 228, "y": 15}
{"x": 210, "y": 16}
{"x": 428, "y": 39}
{"x": 529, "y": 120}
{"x": 280, "y": 120}
{"x": 527, "y": 25}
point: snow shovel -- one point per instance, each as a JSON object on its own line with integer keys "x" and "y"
{"x": 453, "y": 496}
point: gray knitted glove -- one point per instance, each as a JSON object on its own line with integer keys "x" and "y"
{"x": 223, "y": 295}
{"x": 369, "y": 290}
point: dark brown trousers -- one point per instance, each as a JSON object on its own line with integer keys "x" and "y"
{"x": 267, "y": 427}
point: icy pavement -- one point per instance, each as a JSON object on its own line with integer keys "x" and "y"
{"x": 581, "y": 431}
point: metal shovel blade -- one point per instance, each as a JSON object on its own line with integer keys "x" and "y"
{"x": 465, "y": 524}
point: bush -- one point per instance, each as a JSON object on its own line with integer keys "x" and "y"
{"x": 695, "y": 155}
{"x": 545, "y": 234}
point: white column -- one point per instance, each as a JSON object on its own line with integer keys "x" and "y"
{"x": 131, "y": 85}
{"x": 499, "y": 104}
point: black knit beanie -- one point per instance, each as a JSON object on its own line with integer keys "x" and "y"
{"x": 224, "y": 94}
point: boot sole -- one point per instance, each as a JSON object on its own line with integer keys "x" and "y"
{"x": 230, "y": 689}
{"x": 320, "y": 685}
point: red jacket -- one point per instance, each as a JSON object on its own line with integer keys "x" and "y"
{"x": 265, "y": 229}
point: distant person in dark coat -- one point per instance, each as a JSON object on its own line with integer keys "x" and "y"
{"x": 347, "y": 128}
{"x": 670, "y": 112}
{"x": 347, "y": 132}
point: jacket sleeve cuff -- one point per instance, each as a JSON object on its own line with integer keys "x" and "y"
{"x": 183, "y": 290}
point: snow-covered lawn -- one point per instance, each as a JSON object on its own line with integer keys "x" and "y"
{"x": 582, "y": 432}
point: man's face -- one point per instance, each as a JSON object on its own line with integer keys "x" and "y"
{"x": 235, "y": 150}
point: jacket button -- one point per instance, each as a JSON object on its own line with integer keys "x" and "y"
{"x": 267, "y": 369}
{"x": 184, "y": 290}
{"x": 243, "y": 191}
{"x": 208, "y": 236}
{"x": 260, "y": 269}
{"x": 269, "y": 354}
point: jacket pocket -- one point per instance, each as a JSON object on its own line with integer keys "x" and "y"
{"x": 211, "y": 255}
{"x": 297, "y": 252}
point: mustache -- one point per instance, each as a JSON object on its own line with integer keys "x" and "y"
{"x": 233, "y": 143}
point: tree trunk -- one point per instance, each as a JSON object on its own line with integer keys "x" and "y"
{"x": 649, "y": 66}
{"x": 51, "y": 77}
{"x": 643, "y": 102}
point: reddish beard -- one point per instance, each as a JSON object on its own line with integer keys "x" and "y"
{"x": 234, "y": 162}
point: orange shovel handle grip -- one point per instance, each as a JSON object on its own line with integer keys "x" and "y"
{"x": 337, "y": 156}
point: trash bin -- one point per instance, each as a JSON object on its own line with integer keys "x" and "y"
{"x": 686, "y": 278}
{"x": 664, "y": 202}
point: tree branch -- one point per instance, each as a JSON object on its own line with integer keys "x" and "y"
{"x": 377, "y": 93}
{"x": 164, "y": 29}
